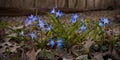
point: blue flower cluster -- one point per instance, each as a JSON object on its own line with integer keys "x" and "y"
{"x": 58, "y": 43}
{"x": 104, "y": 21}
{"x": 41, "y": 24}
{"x": 57, "y": 13}
{"x": 30, "y": 20}
{"x": 44, "y": 26}
{"x": 74, "y": 19}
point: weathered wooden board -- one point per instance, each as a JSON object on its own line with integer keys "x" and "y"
{"x": 104, "y": 4}
{"x": 17, "y": 3}
{"x": 81, "y": 4}
{"x": 72, "y": 3}
{"x": 45, "y": 3}
{"x": 5, "y": 3}
{"x": 116, "y": 4}
{"x": 97, "y": 4}
{"x": 90, "y": 4}
{"x": 60, "y": 3}
{"x": 75, "y": 4}
{"x": 65, "y": 5}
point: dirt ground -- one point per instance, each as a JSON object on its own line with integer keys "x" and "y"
{"x": 113, "y": 15}
{"x": 93, "y": 15}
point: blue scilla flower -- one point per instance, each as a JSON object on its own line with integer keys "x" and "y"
{"x": 30, "y": 20}
{"x": 101, "y": 23}
{"x": 33, "y": 35}
{"x": 46, "y": 29}
{"x": 60, "y": 43}
{"x": 53, "y": 11}
{"x": 83, "y": 28}
{"x": 58, "y": 14}
{"x": 41, "y": 23}
{"x": 74, "y": 18}
{"x": 32, "y": 17}
{"x": 104, "y": 21}
{"x": 51, "y": 43}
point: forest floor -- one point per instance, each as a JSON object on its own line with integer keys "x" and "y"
{"x": 113, "y": 15}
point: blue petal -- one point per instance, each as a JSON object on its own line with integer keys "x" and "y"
{"x": 30, "y": 20}
{"x": 53, "y": 11}
{"x": 58, "y": 14}
{"x": 74, "y": 18}
{"x": 32, "y": 17}
{"x": 41, "y": 23}
{"x": 51, "y": 43}
{"x": 59, "y": 43}
{"x": 104, "y": 21}
{"x": 33, "y": 35}
{"x": 83, "y": 28}
{"x": 46, "y": 29}
{"x": 101, "y": 23}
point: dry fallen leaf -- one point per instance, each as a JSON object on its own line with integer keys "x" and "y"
{"x": 64, "y": 55}
{"x": 31, "y": 55}
{"x": 87, "y": 45}
{"x": 10, "y": 45}
{"x": 98, "y": 56}
{"x": 19, "y": 27}
{"x": 73, "y": 50}
{"x": 115, "y": 55}
{"x": 82, "y": 57}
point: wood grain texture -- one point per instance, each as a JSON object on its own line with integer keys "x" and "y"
{"x": 97, "y": 4}
{"x": 90, "y": 4}
{"x": 116, "y": 4}
{"x": 60, "y": 3}
{"x": 43, "y": 4}
{"x": 80, "y": 4}
{"x": 17, "y": 3}
{"x": 72, "y": 3}
{"x": 64, "y": 5}
{"x": 75, "y": 4}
